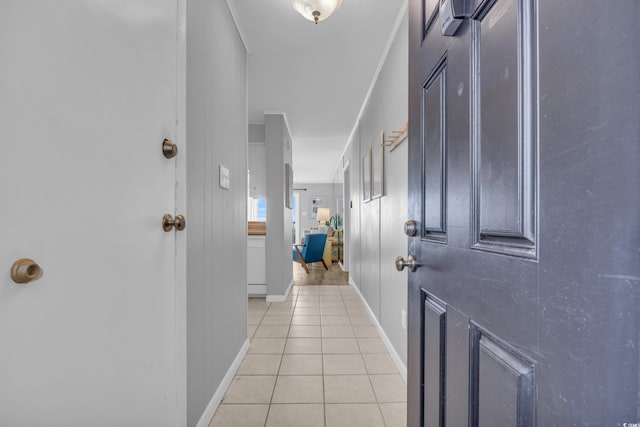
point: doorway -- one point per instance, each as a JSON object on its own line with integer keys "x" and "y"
{"x": 295, "y": 214}
{"x": 346, "y": 217}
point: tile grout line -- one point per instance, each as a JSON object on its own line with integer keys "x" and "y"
{"x": 369, "y": 377}
{"x": 324, "y": 398}
{"x": 275, "y": 383}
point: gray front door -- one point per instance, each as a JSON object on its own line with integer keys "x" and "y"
{"x": 524, "y": 183}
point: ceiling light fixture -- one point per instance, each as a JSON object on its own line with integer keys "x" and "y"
{"x": 316, "y": 10}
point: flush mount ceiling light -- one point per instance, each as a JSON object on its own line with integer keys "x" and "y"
{"x": 316, "y": 10}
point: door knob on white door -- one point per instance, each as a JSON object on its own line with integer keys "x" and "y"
{"x": 410, "y": 263}
{"x": 169, "y": 149}
{"x": 168, "y": 222}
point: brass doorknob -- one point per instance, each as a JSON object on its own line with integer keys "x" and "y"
{"x": 168, "y": 222}
{"x": 169, "y": 149}
{"x": 25, "y": 270}
{"x": 410, "y": 263}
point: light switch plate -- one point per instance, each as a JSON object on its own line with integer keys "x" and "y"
{"x": 224, "y": 177}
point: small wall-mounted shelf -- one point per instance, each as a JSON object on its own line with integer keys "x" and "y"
{"x": 397, "y": 136}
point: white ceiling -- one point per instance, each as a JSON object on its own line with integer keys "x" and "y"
{"x": 319, "y": 75}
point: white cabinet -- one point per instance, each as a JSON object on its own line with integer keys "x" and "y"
{"x": 256, "y": 265}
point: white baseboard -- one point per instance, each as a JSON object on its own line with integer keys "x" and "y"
{"x": 397, "y": 360}
{"x": 280, "y": 298}
{"x": 208, "y": 413}
{"x": 257, "y": 290}
{"x": 342, "y": 267}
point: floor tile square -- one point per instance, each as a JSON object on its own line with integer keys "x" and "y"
{"x": 307, "y": 304}
{"x": 267, "y": 345}
{"x": 371, "y": 345}
{"x": 307, "y": 311}
{"x": 361, "y": 320}
{"x": 379, "y": 364}
{"x": 303, "y": 346}
{"x": 296, "y": 415}
{"x": 337, "y": 303}
{"x": 329, "y": 291}
{"x": 305, "y": 331}
{"x": 340, "y": 346}
{"x": 365, "y": 331}
{"x": 298, "y": 389}
{"x": 280, "y": 311}
{"x": 258, "y": 303}
{"x": 260, "y": 364}
{"x": 272, "y": 331}
{"x": 305, "y": 320}
{"x": 329, "y": 299}
{"x": 353, "y": 415}
{"x": 254, "y": 319}
{"x": 394, "y": 414}
{"x": 276, "y": 319}
{"x": 301, "y": 364}
{"x": 250, "y": 389}
{"x": 337, "y": 331}
{"x": 357, "y": 311}
{"x": 333, "y": 311}
{"x": 343, "y": 364}
{"x": 348, "y": 389}
{"x": 389, "y": 388}
{"x": 240, "y": 416}
{"x": 336, "y": 320}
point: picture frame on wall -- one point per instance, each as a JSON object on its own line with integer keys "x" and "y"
{"x": 377, "y": 166}
{"x": 288, "y": 186}
{"x": 366, "y": 176}
{"x": 316, "y": 203}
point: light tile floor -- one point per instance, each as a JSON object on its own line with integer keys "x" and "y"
{"x": 314, "y": 360}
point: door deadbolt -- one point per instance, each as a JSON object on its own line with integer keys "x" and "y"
{"x": 169, "y": 149}
{"x": 410, "y": 263}
{"x": 410, "y": 228}
{"x": 168, "y": 222}
{"x": 25, "y": 270}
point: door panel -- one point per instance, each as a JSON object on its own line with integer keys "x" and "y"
{"x": 457, "y": 355}
{"x": 435, "y": 320}
{"x": 502, "y": 384}
{"x": 503, "y": 54}
{"x": 434, "y": 154}
{"x": 88, "y": 95}
{"x": 527, "y": 161}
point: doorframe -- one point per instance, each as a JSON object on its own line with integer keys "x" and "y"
{"x": 346, "y": 215}
{"x": 296, "y": 198}
{"x": 180, "y": 281}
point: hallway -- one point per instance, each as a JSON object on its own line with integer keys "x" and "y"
{"x": 315, "y": 360}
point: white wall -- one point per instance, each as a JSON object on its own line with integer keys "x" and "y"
{"x": 279, "y": 224}
{"x": 376, "y": 231}
{"x": 217, "y": 225}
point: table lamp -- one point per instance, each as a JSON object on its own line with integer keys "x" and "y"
{"x": 322, "y": 216}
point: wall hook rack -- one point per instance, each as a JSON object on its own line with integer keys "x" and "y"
{"x": 397, "y": 136}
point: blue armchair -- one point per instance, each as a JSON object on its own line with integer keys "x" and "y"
{"x": 311, "y": 251}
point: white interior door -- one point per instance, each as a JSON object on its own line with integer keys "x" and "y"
{"x": 87, "y": 94}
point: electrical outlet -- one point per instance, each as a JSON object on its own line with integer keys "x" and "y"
{"x": 404, "y": 319}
